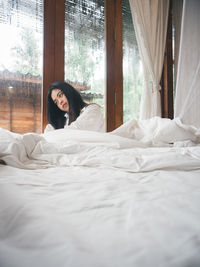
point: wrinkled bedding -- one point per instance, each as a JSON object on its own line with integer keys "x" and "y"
{"x": 76, "y": 198}
{"x": 144, "y": 146}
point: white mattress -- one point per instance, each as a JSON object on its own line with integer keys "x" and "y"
{"x": 73, "y": 198}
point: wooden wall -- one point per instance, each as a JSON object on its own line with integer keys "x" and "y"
{"x": 20, "y": 104}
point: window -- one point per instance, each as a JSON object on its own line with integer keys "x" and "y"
{"x": 21, "y": 65}
{"x": 85, "y": 49}
{"x": 83, "y": 44}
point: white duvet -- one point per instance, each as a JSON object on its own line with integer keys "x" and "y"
{"x": 130, "y": 198}
{"x": 136, "y": 146}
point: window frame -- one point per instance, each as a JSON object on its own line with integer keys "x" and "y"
{"x": 53, "y": 64}
{"x": 54, "y": 31}
{"x": 53, "y": 45}
{"x": 167, "y": 79}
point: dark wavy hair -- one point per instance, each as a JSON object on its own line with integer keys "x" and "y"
{"x": 56, "y": 116}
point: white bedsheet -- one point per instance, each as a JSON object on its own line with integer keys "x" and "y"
{"x": 73, "y": 198}
{"x": 153, "y": 144}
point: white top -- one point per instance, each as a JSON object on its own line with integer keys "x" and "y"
{"x": 90, "y": 119}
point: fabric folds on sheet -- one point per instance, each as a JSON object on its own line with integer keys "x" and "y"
{"x": 135, "y": 146}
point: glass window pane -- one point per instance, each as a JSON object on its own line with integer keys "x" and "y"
{"x": 21, "y": 25}
{"x": 84, "y": 48}
{"x": 133, "y": 78}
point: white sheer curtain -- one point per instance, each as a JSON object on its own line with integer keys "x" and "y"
{"x": 187, "y": 100}
{"x": 150, "y": 19}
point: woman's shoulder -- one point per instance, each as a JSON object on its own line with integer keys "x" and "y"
{"x": 92, "y": 106}
{"x": 49, "y": 128}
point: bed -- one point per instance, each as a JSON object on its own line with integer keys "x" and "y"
{"x": 77, "y": 198}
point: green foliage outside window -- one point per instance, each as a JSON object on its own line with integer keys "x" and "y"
{"x": 27, "y": 54}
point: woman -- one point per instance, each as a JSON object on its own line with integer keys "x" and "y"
{"x": 66, "y": 109}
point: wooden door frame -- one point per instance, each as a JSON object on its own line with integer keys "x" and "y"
{"x": 167, "y": 84}
{"x": 114, "y": 72}
{"x": 54, "y": 31}
{"x": 53, "y": 47}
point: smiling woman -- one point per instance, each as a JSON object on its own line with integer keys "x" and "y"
{"x": 66, "y": 109}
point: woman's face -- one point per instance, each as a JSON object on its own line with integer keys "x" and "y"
{"x": 60, "y": 99}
